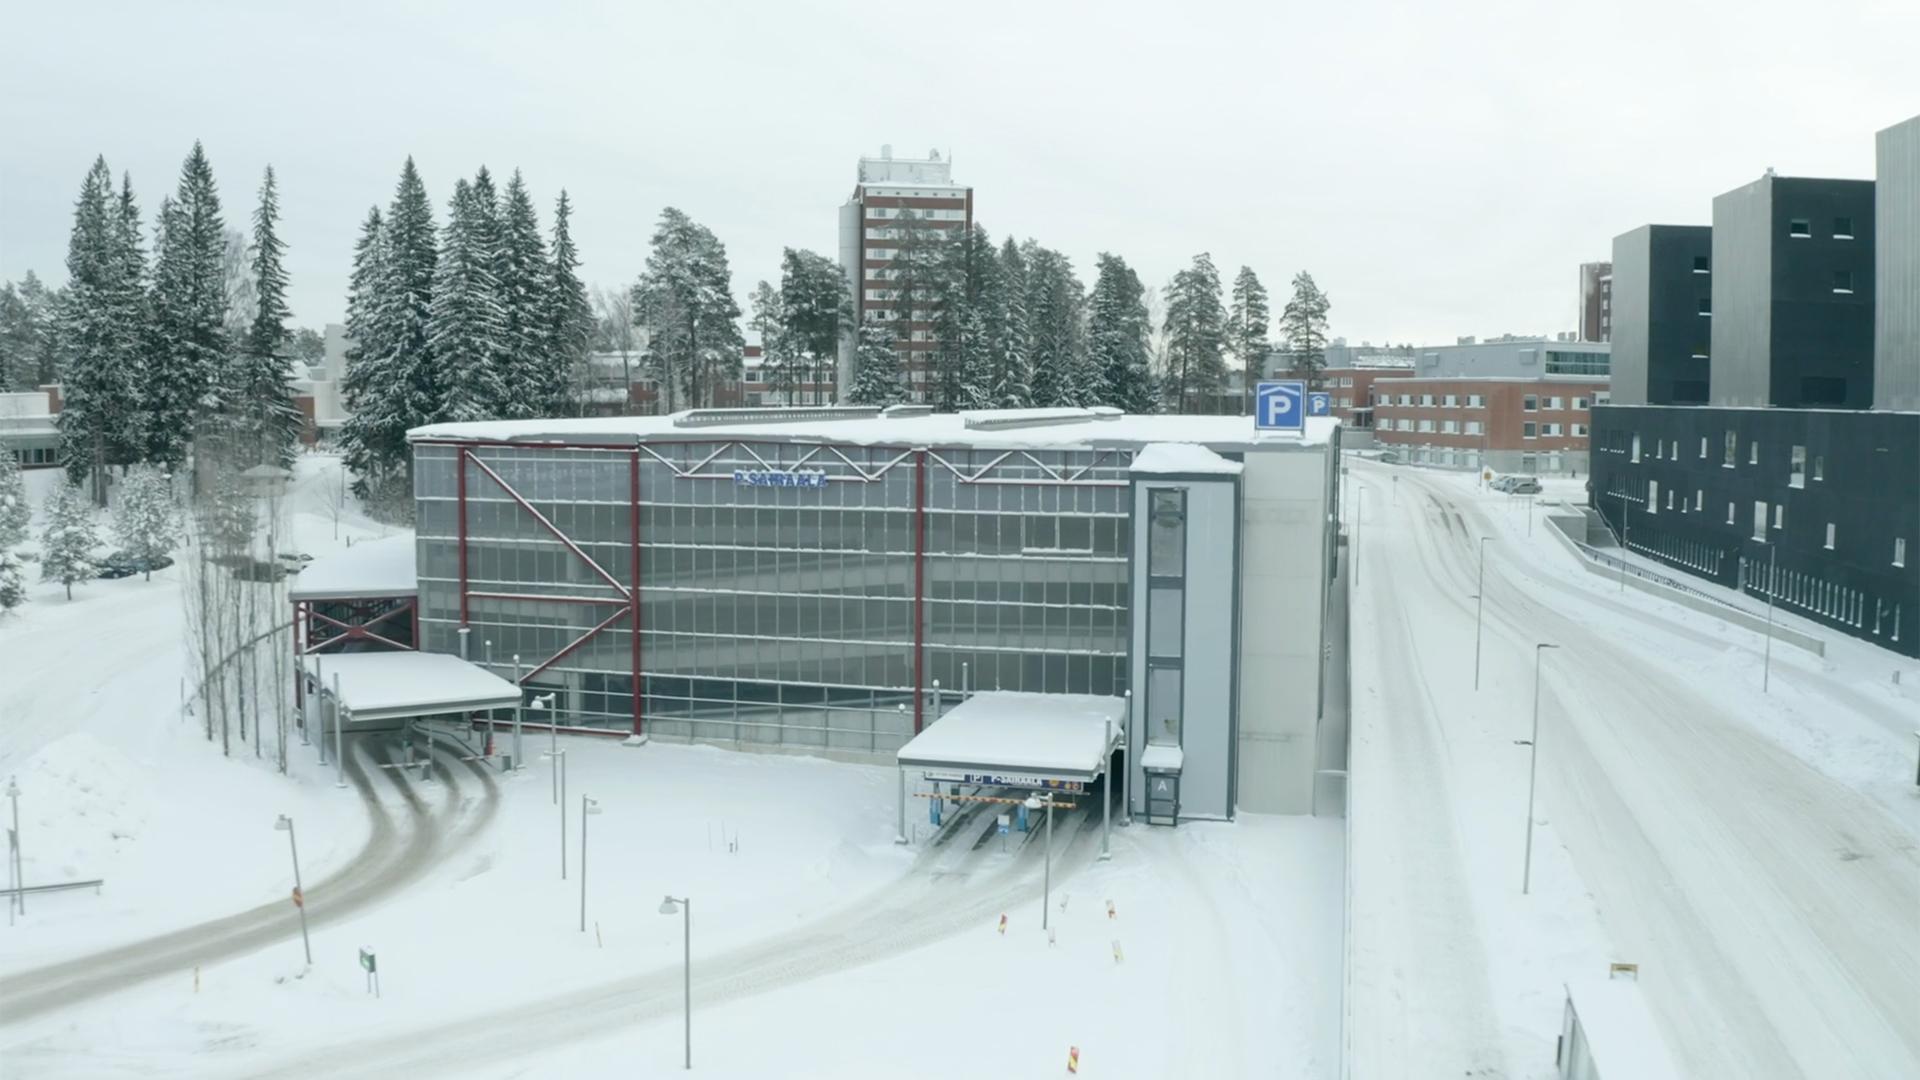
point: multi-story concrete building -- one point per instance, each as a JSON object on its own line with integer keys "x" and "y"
{"x": 1816, "y": 509}
{"x": 1596, "y": 301}
{"x": 1352, "y": 387}
{"x": 1793, "y": 294}
{"x": 886, "y": 226}
{"x": 1663, "y": 297}
{"x": 1504, "y": 423}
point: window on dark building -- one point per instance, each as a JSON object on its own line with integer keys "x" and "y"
{"x": 1702, "y": 264}
{"x": 1706, "y": 305}
{"x": 1797, "y": 467}
{"x": 1843, "y": 282}
{"x": 1733, "y": 441}
{"x": 1800, "y": 227}
{"x": 1843, "y": 228}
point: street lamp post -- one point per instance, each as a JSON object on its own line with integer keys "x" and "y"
{"x": 16, "y": 867}
{"x": 285, "y": 825}
{"x": 1035, "y": 802}
{"x": 684, "y": 905}
{"x": 519, "y": 714}
{"x": 1533, "y": 767}
{"x": 1766, "y": 666}
{"x": 1479, "y": 605}
{"x": 339, "y": 749}
{"x": 587, "y": 807}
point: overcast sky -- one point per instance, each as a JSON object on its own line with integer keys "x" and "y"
{"x": 1440, "y": 167}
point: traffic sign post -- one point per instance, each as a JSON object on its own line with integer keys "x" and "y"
{"x": 372, "y": 968}
{"x": 1280, "y": 405}
{"x": 1319, "y": 404}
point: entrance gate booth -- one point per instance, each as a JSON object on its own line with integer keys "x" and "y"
{"x": 1059, "y": 743}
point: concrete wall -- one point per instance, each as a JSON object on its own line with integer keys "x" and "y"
{"x": 1896, "y": 357}
{"x": 1632, "y": 268}
{"x": 1742, "y": 295}
{"x": 1283, "y": 521}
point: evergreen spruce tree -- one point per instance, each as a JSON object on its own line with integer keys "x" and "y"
{"x": 27, "y": 334}
{"x": 974, "y": 329}
{"x": 468, "y": 326}
{"x": 146, "y": 524}
{"x": 570, "y": 321}
{"x": 1012, "y": 334}
{"x": 1303, "y": 326}
{"x": 266, "y": 422}
{"x": 392, "y": 385}
{"x": 767, "y": 321}
{"x": 13, "y": 580}
{"x": 367, "y": 387}
{"x": 1055, "y": 305}
{"x": 1248, "y": 320}
{"x": 188, "y": 373}
{"x": 951, "y": 306}
{"x": 15, "y": 514}
{"x": 68, "y": 541}
{"x": 1117, "y": 329}
{"x": 1196, "y": 327}
{"x": 533, "y": 376}
{"x": 816, "y": 313}
{"x": 878, "y": 378}
{"x": 100, "y": 417}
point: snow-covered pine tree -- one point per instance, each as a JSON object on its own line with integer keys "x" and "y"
{"x": 1013, "y": 334}
{"x": 27, "y": 333}
{"x": 816, "y": 312}
{"x": 68, "y": 540}
{"x": 1196, "y": 326}
{"x": 569, "y": 316}
{"x": 1056, "y": 302}
{"x": 764, "y": 321}
{"x": 533, "y": 377}
{"x": 146, "y": 524}
{"x": 402, "y": 309}
{"x": 13, "y": 580}
{"x": 468, "y": 326}
{"x": 372, "y": 396}
{"x": 1303, "y": 326}
{"x": 685, "y": 296}
{"x": 188, "y": 369}
{"x": 877, "y": 375}
{"x": 1117, "y": 329}
{"x": 983, "y": 298}
{"x": 1248, "y": 319}
{"x": 266, "y": 422}
{"x": 15, "y": 515}
{"x": 100, "y": 325}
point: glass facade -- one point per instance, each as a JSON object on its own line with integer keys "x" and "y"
{"x": 778, "y": 580}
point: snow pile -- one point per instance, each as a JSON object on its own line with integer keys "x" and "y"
{"x": 84, "y": 807}
{"x": 1183, "y": 458}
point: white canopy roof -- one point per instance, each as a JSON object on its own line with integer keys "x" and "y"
{"x": 1182, "y": 459}
{"x": 392, "y": 685}
{"x": 371, "y": 568}
{"x": 1006, "y": 732}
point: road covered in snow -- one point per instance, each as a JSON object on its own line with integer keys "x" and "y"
{"x": 1754, "y": 853}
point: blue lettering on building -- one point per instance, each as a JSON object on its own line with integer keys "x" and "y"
{"x": 807, "y": 478}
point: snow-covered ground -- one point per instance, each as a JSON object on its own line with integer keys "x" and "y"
{"x": 1754, "y": 853}
{"x": 819, "y": 946}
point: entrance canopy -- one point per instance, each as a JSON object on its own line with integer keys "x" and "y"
{"x": 1005, "y": 738}
{"x": 378, "y": 686}
{"x": 370, "y": 569}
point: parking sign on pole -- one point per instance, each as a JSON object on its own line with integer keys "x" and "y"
{"x": 1280, "y": 405}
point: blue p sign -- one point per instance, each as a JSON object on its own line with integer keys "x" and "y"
{"x": 1280, "y": 406}
{"x": 1319, "y": 404}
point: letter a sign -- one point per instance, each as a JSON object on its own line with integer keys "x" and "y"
{"x": 1280, "y": 406}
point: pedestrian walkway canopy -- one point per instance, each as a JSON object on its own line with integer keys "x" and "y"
{"x": 371, "y": 569}
{"x": 1004, "y": 738}
{"x": 385, "y": 686}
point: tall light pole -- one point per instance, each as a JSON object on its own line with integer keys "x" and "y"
{"x": 1533, "y": 767}
{"x": 587, "y": 807}
{"x": 1035, "y": 802}
{"x": 684, "y": 905}
{"x": 285, "y": 825}
{"x": 519, "y": 713}
{"x": 1766, "y": 666}
{"x": 16, "y": 868}
{"x": 1623, "y": 536}
{"x": 1479, "y": 605}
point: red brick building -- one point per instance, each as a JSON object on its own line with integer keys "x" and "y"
{"x": 1523, "y": 425}
{"x": 1352, "y": 390}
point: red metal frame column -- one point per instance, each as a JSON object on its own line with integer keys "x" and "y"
{"x": 461, "y": 488}
{"x": 633, "y": 523}
{"x": 919, "y": 584}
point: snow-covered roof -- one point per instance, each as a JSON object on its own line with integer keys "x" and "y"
{"x": 393, "y": 685}
{"x": 1158, "y": 757}
{"x": 1058, "y": 429}
{"x": 1620, "y": 1033}
{"x": 1183, "y": 458}
{"x": 1014, "y": 732}
{"x": 371, "y": 568}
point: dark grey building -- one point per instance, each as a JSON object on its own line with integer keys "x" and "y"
{"x": 1792, "y": 306}
{"x": 1663, "y": 323}
{"x": 1829, "y": 496}
{"x": 1896, "y": 355}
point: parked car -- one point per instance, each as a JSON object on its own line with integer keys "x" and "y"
{"x": 1503, "y": 483}
{"x": 260, "y": 570}
{"x": 1523, "y": 485}
{"x": 293, "y": 561}
{"x": 1387, "y": 457}
{"x": 122, "y": 564}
